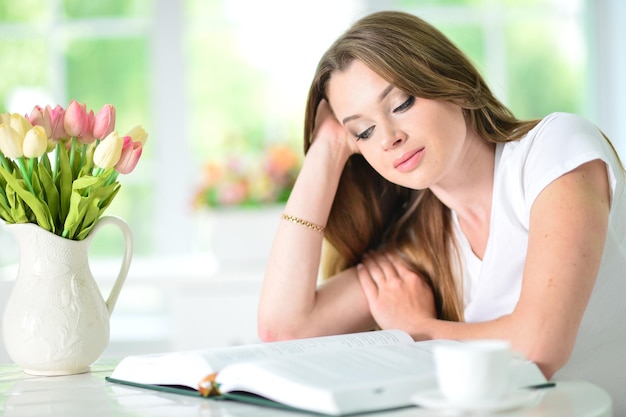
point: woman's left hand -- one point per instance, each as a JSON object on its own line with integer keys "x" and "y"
{"x": 397, "y": 297}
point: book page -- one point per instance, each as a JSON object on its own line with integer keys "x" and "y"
{"x": 189, "y": 367}
{"x": 335, "y": 369}
{"x": 220, "y": 357}
{"x": 342, "y": 381}
{"x": 349, "y": 381}
{"x": 178, "y": 368}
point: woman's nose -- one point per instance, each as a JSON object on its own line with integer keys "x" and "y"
{"x": 393, "y": 140}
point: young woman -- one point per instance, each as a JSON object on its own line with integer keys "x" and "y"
{"x": 442, "y": 214}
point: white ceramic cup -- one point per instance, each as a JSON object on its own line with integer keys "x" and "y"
{"x": 473, "y": 372}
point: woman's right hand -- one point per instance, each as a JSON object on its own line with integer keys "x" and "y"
{"x": 328, "y": 129}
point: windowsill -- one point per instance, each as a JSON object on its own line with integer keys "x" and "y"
{"x": 195, "y": 268}
{"x": 173, "y": 303}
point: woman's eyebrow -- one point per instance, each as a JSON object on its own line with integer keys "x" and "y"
{"x": 384, "y": 93}
{"x": 349, "y": 118}
{"x": 381, "y": 97}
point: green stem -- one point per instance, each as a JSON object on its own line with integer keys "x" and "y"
{"x": 31, "y": 166}
{"x": 45, "y": 160}
{"x": 57, "y": 161}
{"x": 3, "y": 194}
{"x": 5, "y": 163}
{"x": 95, "y": 171}
{"x": 111, "y": 178}
{"x": 9, "y": 169}
{"x": 72, "y": 154}
{"x": 83, "y": 155}
{"x": 20, "y": 163}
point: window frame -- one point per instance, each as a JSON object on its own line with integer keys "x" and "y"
{"x": 173, "y": 174}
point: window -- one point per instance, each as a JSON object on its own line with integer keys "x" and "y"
{"x": 241, "y": 77}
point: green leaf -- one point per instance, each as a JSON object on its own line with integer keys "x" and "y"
{"x": 51, "y": 194}
{"x": 83, "y": 183}
{"x": 7, "y": 163}
{"x": 45, "y": 162}
{"x": 79, "y": 201}
{"x": 40, "y": 195}
{"x": 89, "y": 195}
{"x": 3, "y": 193}
{"x": 90, "y": 217}
{"x": 5, "y": 209}
{"x": 98, "y": 203}
{"x": 75, "y": 215}
{"x": 64, "y": 182}
{"x": 41, "y": 212}
{"x": 37, "y": 186}
{"x": 106, "y": 202}
{"x": 17, "y": 207}
{"x": 6, "y": 215}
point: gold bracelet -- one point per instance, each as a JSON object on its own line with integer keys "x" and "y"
{"x": 302, "y": 222}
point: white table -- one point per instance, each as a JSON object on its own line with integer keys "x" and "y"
{"x": 90, "y": 395}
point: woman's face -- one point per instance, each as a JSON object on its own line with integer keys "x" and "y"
{"x": 410, "y": 141}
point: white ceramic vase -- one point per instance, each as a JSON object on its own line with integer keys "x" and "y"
{"x": 56, "y": 321}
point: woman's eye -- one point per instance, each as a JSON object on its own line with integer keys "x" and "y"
{"x": 406, "y": 105}
{"x": 365, "y": 134}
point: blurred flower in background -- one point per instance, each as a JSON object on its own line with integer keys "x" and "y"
{"x": 250, "y": 179}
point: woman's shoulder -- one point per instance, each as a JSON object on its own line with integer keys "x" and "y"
{"x": 559, "y": 143}
{"x": 559, "y": 135}
{"x": 564, "y": 124}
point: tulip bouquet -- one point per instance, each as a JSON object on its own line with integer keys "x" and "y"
{"x": 59, "y": 167}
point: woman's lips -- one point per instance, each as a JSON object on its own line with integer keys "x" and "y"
{"x": 408, "y": 160}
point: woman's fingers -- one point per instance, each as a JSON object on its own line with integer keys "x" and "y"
{"x": 381, "y": 267}
{"x": 327, "y": 127}
{"x": 397, "y": 296}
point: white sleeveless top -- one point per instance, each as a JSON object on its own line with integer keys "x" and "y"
{"x": 558, "y": 144}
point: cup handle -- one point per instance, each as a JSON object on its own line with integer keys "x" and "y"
{"x": 128, "y": 254}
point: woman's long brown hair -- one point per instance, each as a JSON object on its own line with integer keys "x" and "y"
{"x": 370, "y": 213}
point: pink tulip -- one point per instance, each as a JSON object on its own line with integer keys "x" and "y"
{"x": 40, "y": 116}
{"x": 104, "y": 122}
{"x": 131, "y": 152}
{"x": 87, "y": 136}
{"x": 76, "y": 119}
{"x": 57, "y": 120}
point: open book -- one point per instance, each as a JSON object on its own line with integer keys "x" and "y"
{"x": 334, "y": 375}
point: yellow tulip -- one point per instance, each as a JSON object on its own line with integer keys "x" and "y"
{"x": 10, "y": 142}
{"x": 20, "y": 124}
{"x": 108, "y": 151}
{"x": 35, "y": 142}
{"x": 138, "y": 134}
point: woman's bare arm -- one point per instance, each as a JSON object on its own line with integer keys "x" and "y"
{"x": 568, "y": 227}
{"x": 291, "y": 305}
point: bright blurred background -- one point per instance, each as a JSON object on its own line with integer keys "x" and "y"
{"x": 212, "y": 79}
{"x": 220, "y": 84}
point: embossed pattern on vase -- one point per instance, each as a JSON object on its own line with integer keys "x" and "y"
{"x": 56, "y": 316}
